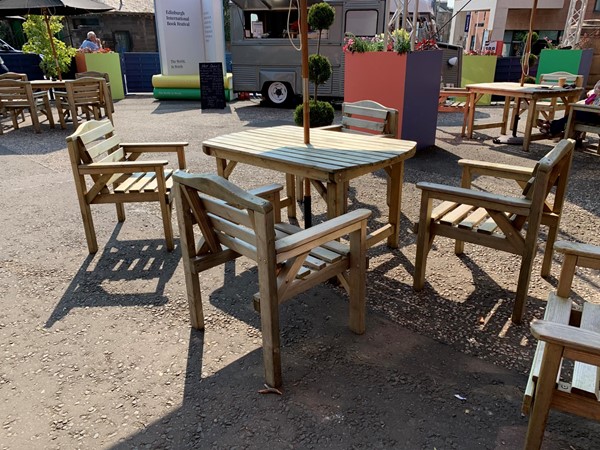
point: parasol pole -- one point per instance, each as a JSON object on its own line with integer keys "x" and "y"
{"x": 305, "y": 104}
{"x": 304, "y": 45}
{"x": 47, "y": 20}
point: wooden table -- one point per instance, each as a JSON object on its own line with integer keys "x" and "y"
{"x": 528, "y": 93}
{"x": 51, "y": 85}
{"x": 331, "y": 160}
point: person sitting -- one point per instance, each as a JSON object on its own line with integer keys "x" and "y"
{"x": 556, "y": 128}
{"x": 91, "y": 44}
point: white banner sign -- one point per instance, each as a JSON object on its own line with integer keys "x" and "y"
{"x": 189, "y": 32}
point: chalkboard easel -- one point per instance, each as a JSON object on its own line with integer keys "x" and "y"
{"x": 212, "y": 89}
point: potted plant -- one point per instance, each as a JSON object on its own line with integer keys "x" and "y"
{"x": 38, "y": 41}
{"x": 320, "y": 17}
{"x": 397, "y": 77}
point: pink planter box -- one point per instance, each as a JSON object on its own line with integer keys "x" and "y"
{"x": 409, "y": 83}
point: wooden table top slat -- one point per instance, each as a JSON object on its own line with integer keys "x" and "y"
{"x": 337, "y": 157}
{"x": 328, "y": 150}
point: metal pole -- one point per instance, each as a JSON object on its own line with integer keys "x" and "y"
{"x": 304, "y": 44}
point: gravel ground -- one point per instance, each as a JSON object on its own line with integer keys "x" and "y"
{"x": 97, "y": 351}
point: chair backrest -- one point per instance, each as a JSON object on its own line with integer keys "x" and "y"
{"x": 369, "y": 117}
{"x": 14, "y": 76}
{"x": 15, "y": 92}
{"x": 550, "y": 173}
{"x": 93, "y": 74}
{"x": 94, "y": 141}
{"x": 561, "y": 78}
{"x": 226, "y": 215}
{"x": 85, "y": 91}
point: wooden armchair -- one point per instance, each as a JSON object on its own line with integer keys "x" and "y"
{"x": 87, "y": 93}
{"x": 568, "y": 332}
{"x": 548, "y": 108}
{"x": 583, "y": 119}
{"x": 108, "y": 171}
{"x": 498, "y": 221}
{"x": 290, "y": 260}
{"x": 17, "y": 96}
{"x": 108, "y": 101}
{"x": 13, "y": 76}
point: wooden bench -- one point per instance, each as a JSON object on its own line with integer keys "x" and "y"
{"x": 445, "y": 105}
{"x": 567, "y": 333}
{"x": 234, "y": 222}
{"x": 107, "y": 170}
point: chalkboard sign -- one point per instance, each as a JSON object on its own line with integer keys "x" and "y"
{"x": 212, "y": 89}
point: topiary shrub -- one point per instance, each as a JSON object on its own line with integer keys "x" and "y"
{"x": 321, "y": 114}
{"x": 319, "y": 69}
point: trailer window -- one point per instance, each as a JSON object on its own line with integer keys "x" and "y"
{"x": 361, "y": 23}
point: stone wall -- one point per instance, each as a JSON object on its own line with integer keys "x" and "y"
{"x": 141, "y": 28}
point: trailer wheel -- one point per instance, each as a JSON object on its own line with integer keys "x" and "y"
{"x": 278, "y": 92}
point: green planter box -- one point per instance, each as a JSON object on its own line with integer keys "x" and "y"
{"x": 479, "y": 69}
{"x": 111, "y": 64}
{"x": 577, "y": 62}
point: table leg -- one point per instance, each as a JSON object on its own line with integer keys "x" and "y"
{"x": 515, "y": 113}
{"x": 472, "y": 102}
{"x": 221, "y": 166}
{"x": 529, "y": 124}
{"x": 395, "y": 202}
{"x": 505, "y": 111}
{"x": 290, "y": 190}
{"x": 335, "y": 199}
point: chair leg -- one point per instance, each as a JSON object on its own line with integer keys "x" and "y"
{"x": 357, "y": 280}
{"x": 549, "y": 250}
{"x": 33, "y": 112}
{"x": 120, "y": 212}
{"x": 424, "y": 239}
{"x": 523, "y": 285}
{"x": 188, "y": 251}
{"x": 269, "y": 322}
{"x": 88, "y": 226}
{"x": 167, "y": 223}
{"x": 543, "y": 396}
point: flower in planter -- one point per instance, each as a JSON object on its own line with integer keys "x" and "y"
{"x": 426, "y": 44}
{"x": 399, "y": 41}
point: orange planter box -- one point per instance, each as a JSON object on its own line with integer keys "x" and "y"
{"x": 409, "y": 83}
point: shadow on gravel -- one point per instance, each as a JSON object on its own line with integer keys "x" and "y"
{"x": 140, "y": 263}
{"x": 25, "y": 141}
{"x": 388, "y": 388}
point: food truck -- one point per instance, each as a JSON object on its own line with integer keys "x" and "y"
{"x": 265, "y": 39}
{"x": 265, "y": 45}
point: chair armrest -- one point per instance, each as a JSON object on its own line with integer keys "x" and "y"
{"x": 158, "y": 147}
{"x": 497, "y": 202}
{"x": 574, "y": 248}
{"x": 312, "y": 237}
{"x": 331, "y": 128}
{"x": 497, "y": 170}
{"x": 266, "y": 191}
{"x": 143, "y": 147}
{"x": 584, "y": 107}
{"x": 121, "y": 167}
{"x": 571, "y": 337}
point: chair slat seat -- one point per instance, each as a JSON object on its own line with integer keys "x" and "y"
{"x": 106, "y": 172}
{"x": 234, "y": 222}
